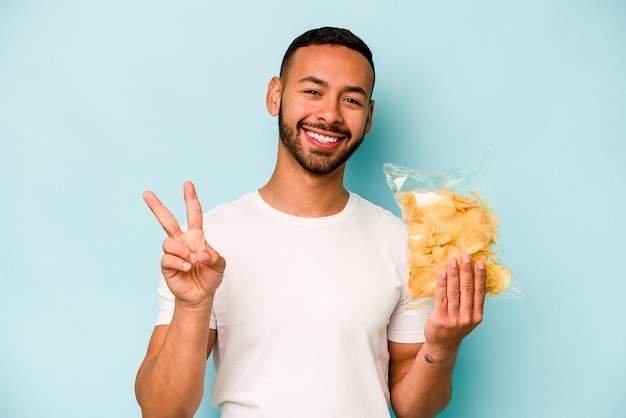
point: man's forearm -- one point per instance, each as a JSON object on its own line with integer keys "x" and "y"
{"x": 426, "y": 388}
{"x": 171, "y": 383}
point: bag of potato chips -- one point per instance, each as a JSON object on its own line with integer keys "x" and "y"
{"x": 447, "y": 214}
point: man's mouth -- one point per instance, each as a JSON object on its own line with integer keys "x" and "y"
{"x": 324, "y": 139}
{"x": 324, "y": 136}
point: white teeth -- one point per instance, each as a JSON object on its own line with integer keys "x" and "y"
{"x": 322, "y": 138}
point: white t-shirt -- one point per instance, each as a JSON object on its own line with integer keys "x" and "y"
{"x": 305, "y": 309}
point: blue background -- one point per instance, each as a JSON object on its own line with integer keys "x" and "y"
{"x": 100, "y": 101}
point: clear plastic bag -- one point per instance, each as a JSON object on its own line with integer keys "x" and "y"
{"x": 447, "y": 214}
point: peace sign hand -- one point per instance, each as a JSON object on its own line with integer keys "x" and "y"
{"x": 192, "y": 269}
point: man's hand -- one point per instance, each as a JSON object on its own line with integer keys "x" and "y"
{"x": 420, "y": 375}
{"x": 459, "y": 301}
{"x": 193, "y": 270}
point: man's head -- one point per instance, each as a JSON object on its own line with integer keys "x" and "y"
{"x": 322, "y": 99}
{"x": 326, "y": 36}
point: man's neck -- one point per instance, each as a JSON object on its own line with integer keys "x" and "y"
{"x": 300, "y": 193}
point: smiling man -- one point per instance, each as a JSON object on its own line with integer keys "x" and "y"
{"x": 300, "y": 293}
{"x": 333, "y": 113}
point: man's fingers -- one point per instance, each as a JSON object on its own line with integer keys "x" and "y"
{"x": 177, "y": 256}
{"x": 178, "y": 249}
{"x": 453, "y": 290}
{"x": 466, "y": 285}
{"x": 163, "y": 215}
{"x": 171, "y": 262}
{"x": 479, "y": 289}
{"x": 441, "y": 295}
{"x": 212, "y": 259}
{"x": 194, "y": 210}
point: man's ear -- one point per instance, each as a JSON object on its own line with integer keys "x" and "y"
{"x": 273, "y": 96}
{"x": 370, "y": 115}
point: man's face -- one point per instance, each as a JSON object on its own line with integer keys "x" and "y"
{"x": 325, "y": 108}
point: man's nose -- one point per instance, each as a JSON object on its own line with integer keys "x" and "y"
{"x": 329, "y": 111}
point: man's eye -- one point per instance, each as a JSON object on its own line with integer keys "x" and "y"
{"x": 315, "y": 92}
{"x": 353, "y": 101}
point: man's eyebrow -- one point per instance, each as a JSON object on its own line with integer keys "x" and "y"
{"x": 322, "y": 83}
{"x": 314, "y": 80}
{"x": 356, "y": 89}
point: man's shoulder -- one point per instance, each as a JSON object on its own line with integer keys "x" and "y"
{"x": 377, "y": 217}
{"x": 242, "y": 203}
{"x": 229, "y": 214}
{"x": 373, "y": 209}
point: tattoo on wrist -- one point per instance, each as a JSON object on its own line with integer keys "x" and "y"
{"x": 429, "y": 359}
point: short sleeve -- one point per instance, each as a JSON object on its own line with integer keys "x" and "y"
{"x": 406, "y": 324}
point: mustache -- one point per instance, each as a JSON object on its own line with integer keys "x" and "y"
{"x": 329, "y": 128}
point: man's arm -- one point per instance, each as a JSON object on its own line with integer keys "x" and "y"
{"x": 170, "y": 381}
{"x": 420, "y": 375}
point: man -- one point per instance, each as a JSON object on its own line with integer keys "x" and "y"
{"x": 303, "y": 304}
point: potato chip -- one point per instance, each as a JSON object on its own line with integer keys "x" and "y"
{"x": 463, "y": 203}
{"x": 443, "y": 225}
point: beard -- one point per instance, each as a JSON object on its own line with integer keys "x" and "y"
{"x": 317, "y": 161}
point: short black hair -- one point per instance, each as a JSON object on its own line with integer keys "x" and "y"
{"x": 327, "y": 36}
